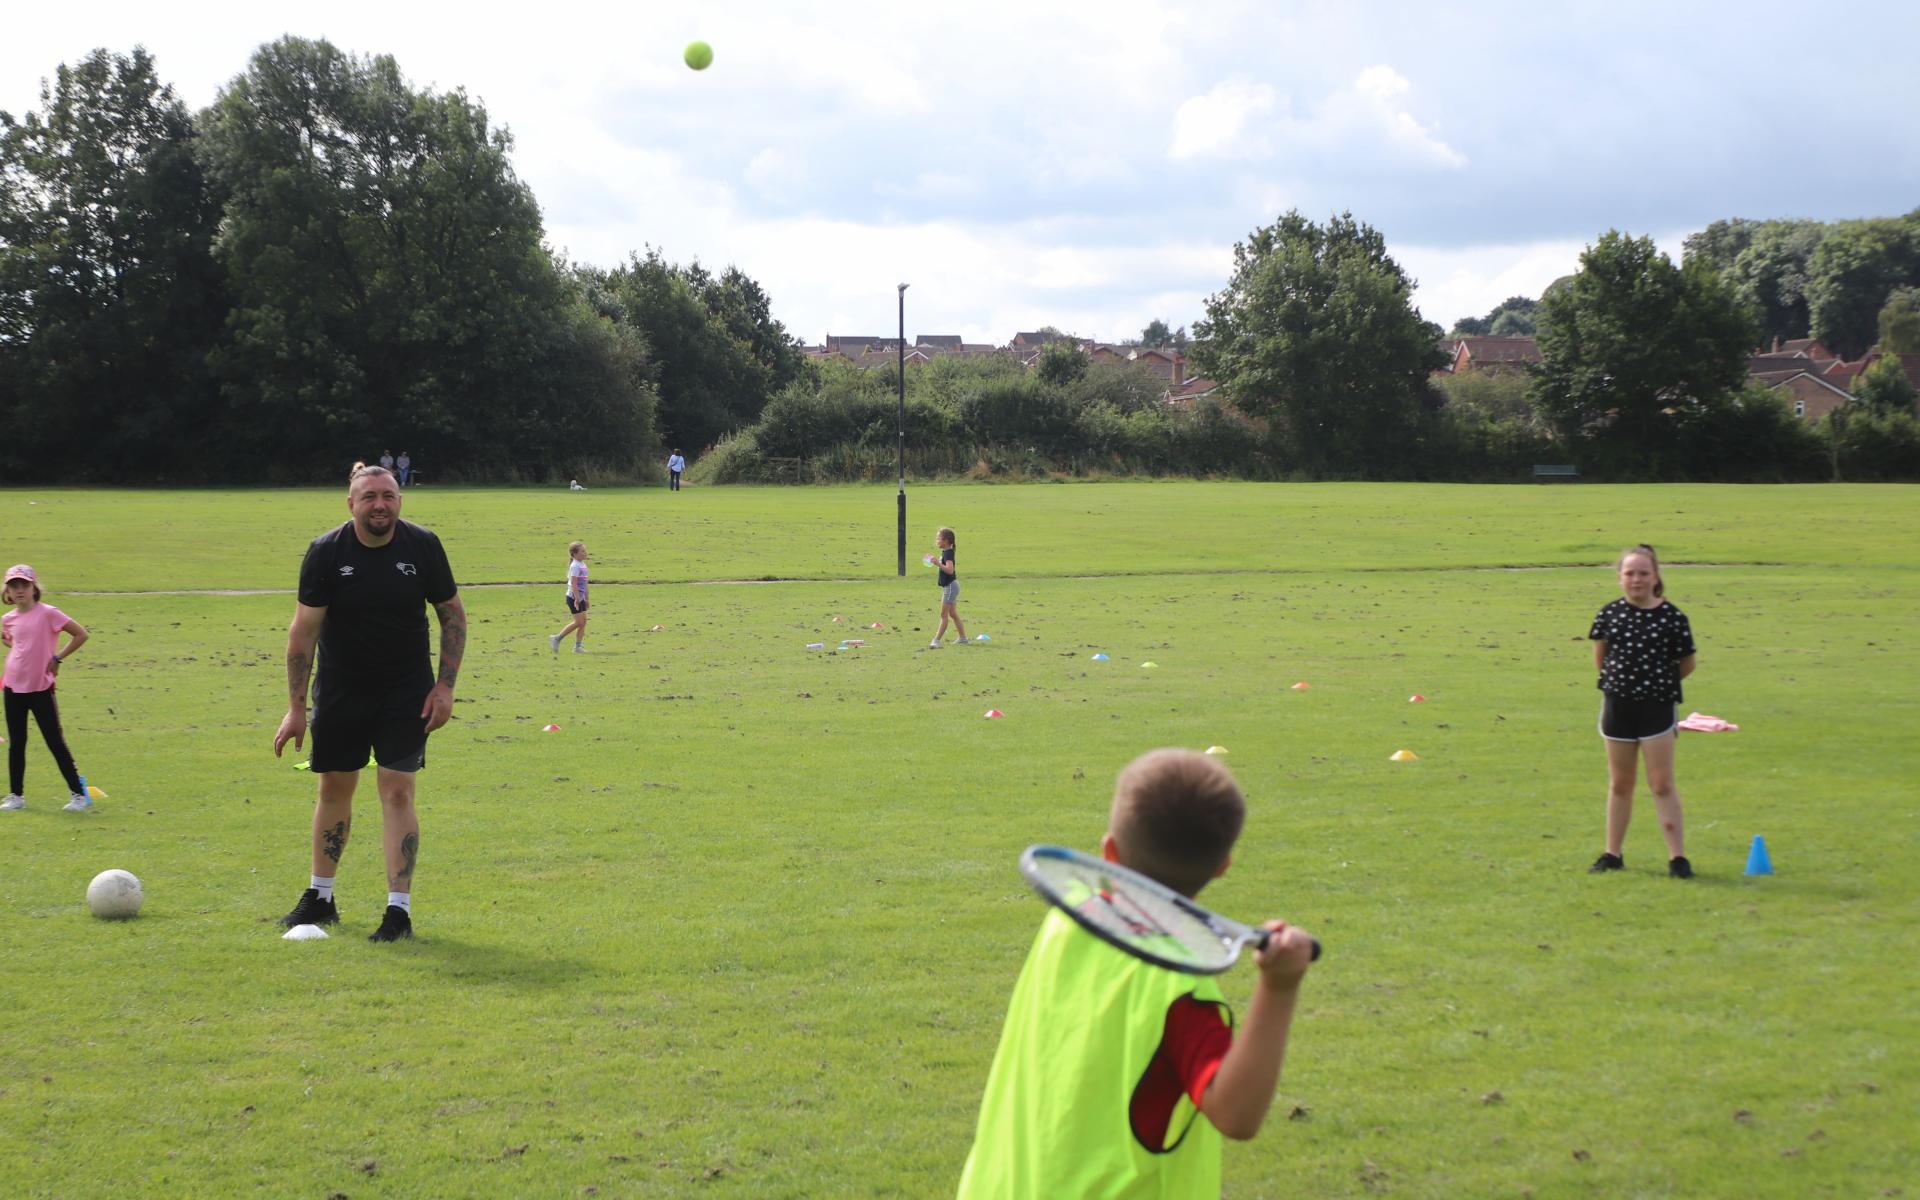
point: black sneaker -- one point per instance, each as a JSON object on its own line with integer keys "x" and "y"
{"x": 1679, "y": 867}
{"x": 311, "y": 910}
{"x": 1605, "y": 863}
{"x": 394, "y": 926}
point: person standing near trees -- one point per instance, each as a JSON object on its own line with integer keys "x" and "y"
{"x": 363, "y": 588}
{"x": 405, "y": 466}
{"x": 675, "y": 465}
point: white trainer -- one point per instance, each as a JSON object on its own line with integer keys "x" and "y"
{"x": 13, "y": 802}
{"x": 934, "y": 644}
{"x": 553, "y": 640}
{"x": 579, "y": 649}
{"x": 81, "y": 802}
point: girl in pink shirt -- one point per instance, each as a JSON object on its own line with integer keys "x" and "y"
{"x": 31, "y": 631}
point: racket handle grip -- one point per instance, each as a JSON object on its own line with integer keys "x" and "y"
{"x": 1266, "y": 937}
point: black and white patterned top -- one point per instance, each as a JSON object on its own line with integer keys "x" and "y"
{"x": 1644, "y": 647}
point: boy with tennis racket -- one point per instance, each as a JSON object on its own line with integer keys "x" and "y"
{"x": 1108, "y": 1062}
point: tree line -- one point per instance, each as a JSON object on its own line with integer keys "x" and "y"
{"x": 326, "y": 262}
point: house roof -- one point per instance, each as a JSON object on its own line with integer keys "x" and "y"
{"x": 1782, "y": 361}
{"x": 1811, "y": 347}
{"x": 1501, "y": 349}
{"x": 1790, "y": 376}
{"x": 945, "y": 341}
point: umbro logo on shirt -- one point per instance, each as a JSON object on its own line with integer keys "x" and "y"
{"x": 406, "y": 568}
{"x": 346, "y": 570}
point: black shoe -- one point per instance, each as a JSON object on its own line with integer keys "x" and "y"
{"x": 311, "y": 910}
{"x": 394, "y": 926}
{"x": 1605, "y": 863}
{"x": 1679, "y": 867}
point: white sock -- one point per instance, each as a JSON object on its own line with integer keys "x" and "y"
{"x": 324, "y": 885}
{"x": 402, "y": 901}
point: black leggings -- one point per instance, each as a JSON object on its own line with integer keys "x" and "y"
{"x": 47, "y": 713}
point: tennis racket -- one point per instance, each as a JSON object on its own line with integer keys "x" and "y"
{"x": 1141, "y": 916}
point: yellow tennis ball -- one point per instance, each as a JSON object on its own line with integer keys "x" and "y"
{"x": 699, "y": 55}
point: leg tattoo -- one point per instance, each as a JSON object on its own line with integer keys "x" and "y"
{"x": 409, "y": 849}
{"x": 333, "y": 842}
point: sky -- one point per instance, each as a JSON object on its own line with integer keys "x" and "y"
{"x": 1090, "y": 167}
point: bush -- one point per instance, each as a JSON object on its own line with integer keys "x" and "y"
{"x": 1872, "y": 446}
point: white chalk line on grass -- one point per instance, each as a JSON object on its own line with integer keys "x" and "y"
{"x": 1225, "y": 571}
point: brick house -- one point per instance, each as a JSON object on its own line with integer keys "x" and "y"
{"x": 1811, "y": 395}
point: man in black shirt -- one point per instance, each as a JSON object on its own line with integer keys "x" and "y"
{"x": 363, "y": 588}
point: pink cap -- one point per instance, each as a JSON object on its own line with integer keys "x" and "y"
{"x": 21, "y": 571}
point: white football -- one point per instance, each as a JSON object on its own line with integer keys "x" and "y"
{"x": 115, "y": 895}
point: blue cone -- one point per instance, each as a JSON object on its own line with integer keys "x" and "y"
{"x": 1757, "y": 861}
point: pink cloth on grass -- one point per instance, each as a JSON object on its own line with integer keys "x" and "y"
{"x": 1702, "y": 723}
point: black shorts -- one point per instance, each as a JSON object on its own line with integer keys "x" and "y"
{"x": 575, "y": 606}
{"x": 349, "y": 724}
{"x": 1623, "y": 720}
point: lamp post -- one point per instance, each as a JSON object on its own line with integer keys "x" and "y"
{"x": 902, "y": 452}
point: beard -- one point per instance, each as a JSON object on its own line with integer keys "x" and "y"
{"x": 380, "y": 525}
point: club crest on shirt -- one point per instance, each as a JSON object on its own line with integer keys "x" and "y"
{"x": 406, "y": 568}
{"x": 346, "y": 570}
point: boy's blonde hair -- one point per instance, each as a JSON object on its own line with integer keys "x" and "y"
{"x": 1175, "y": 817}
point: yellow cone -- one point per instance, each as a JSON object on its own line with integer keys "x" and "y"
{"x": 1404, "y": 756}
{"x": 1216, "y": 749}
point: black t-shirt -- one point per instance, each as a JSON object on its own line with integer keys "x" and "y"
{"x": 946, "y": 566}
{"x": 375, "y": 632}
{"x": 1644, "y": 646}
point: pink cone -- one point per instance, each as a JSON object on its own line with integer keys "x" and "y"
{"x": 550, "y": 729}
{"x": 1416, "y": 698}
{"x": 994, "y": 712}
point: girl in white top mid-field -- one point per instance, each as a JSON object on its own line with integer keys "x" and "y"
{"x": 31, "y": 631}
{"x": 576, "y": 600}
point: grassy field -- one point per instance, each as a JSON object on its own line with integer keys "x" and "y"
{"x": 746, "y": 925}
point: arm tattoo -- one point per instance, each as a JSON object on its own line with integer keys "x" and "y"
{"x": 334, "y": 841}
{"x": 453, "y": 638}
{"x": 409, "y": 850}
{"x": 299, "y": 667}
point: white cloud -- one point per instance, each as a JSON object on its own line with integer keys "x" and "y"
{"x": 1366, "y": 122}
{"x": 1215, "y": 125}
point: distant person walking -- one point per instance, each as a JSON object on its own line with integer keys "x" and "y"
{"x": 576, "y": 600}
{"x": 363, "y": 591}
{"x": 404, "y": 464}
{"x": 1643, "y": 647}
{"x": 31, "y": 631}
{"x": 675, "y": 465}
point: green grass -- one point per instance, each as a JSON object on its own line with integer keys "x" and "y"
{"x": 746, "y": 925}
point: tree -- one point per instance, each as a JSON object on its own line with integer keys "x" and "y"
{"x": 721, "y": 354}
{"x": 1634, "y": 348}
{"x": 1772, "y": 273}
{"x": 1853, "y": 271}
{"x": 1513, "y": 317}
{"x": 1317, "y": 332}
{"x": 109, "y": 296}
{"x": 1884, "y": 387}
{"x": 1061, "y": 363}
{"x": 390, "y": 282}
{"x": 1720, "y": 243}
{"x": 1156, "y": 334}
{"x": 1900, "y": 322}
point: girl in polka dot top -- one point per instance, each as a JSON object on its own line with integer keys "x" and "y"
{"x": 1643, "y": 647}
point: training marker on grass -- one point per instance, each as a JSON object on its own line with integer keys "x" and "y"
{"x": 1757, "y": 861}
{"x": 1403, "y": 756}
{"x": 994, "y": 712}
{"x": 1101, "y": 658}
{"x": 1216, "y": 749}
{"x": 816, "y": 645}
{"x": 1302, "y": 686}
{"x": 981, "y": 637}
{"x": 550, "y": 729}
{"x": 1149, "y": 664}
{"x": 657, "y": 629}
{"x": 1416, "y": 698}
{"x": 304, "y": 933}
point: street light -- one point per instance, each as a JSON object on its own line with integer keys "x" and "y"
{"x": 902, "y": 453}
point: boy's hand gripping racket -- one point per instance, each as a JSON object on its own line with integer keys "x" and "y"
{"x": 1141, "y": 916}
